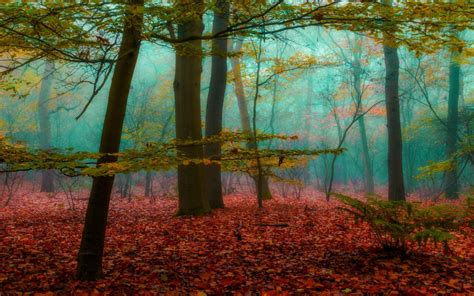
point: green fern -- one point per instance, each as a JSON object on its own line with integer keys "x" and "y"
{"x": 395, "y": 223}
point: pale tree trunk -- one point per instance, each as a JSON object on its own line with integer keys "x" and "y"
{"x": 47, "y": 176}
{"x": 368, "y": 172}
{"x": 245, "y": 117}
{"x": 308, "y": 124}
{"x": 396, "y": 187}
{"x": 89, "y": 260}
{"x": 452, "y": 186}
{"x": 149, "y": 174}
{"x": 187, "y": 89}
{"x": 148, "y": 184}
{"x": 215, "y": 104}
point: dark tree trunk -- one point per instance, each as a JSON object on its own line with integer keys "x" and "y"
{"x": 452, "y": 185}
{"x": 47, "y": 176}
{"x": 215, "y": 104}
{"x": 148, "y": 184}
{"x": 245, "y": 117}
{"x": 396, "y": 187}
{"x": 89, "y": 261}
{"x": 187, "y": 89}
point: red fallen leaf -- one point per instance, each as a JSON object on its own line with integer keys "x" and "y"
{"x": 205, "y": 276}
{"x": 452, "y": 283}
{"x": 392, "y": 276}
{"x": 226, "y": 282}
{"x": 269, "y": 293}
{"x": 309, "y": 283}
{"x": 312, "y": 284}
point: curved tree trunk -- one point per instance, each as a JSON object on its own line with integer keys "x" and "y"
{"x": 187, "y": 89}
{"x": 215, "y": 104}
{"x": 452, "y": 186}
{"x": 245, "y": 117}
{"x": 47, "y": 176}
{"x": 89, "y": 260}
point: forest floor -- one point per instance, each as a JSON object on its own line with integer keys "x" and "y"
{"x": 150, "y": 251}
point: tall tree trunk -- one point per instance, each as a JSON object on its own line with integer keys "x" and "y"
{"x": 409, "y": 152}
{"x": 368, "y": 172}
{"x": 187, "y": 89}
{"x": 308, "y": 124}
{"x": 89, "y": 260}
{"x": 244, "y": 115}
{"x": 47, "y": 176}
{"x": 452, "y": 185}
{"x": 215, "y": 104}
{"x": 396, "y": 187}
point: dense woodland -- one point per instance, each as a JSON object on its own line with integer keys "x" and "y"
{"x": 241, "y": 147}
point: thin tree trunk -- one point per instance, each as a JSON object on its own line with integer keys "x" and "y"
{"x": 452, "y": 186}
{"x": 396, "y": 187}
{"x": 47, "y": 176}
{"x": 89, "y": 260}
{"x": 308, "y": 124}
{"x": 215, "y": 104}
{"x": 149, "y": 174}
{"x": 245, "y": 117}
{"x": 148, "y": 184}
{"x": 187, "y": 89}
{"x": 368, "y": 173}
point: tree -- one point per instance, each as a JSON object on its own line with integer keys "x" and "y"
{"x": 357, "y": 93}
{"x": 244, "y": 114}
{"x": 47, "y": 176}
{"x": 396, "y": 186}
{"x": 357, "y": 71}
{"x": 187, "y": 89}
{"x": 452, "y": 125}
{"x": 89, "y": 260}
{"x": 215, "y": 104}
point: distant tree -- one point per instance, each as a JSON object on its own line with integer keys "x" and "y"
{"x": 47, "y": 176}
{"x": 244, "y": 113}
{"x": 452, "y": 186}
{"x": 358, "y": 88}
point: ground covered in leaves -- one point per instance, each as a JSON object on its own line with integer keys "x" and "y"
{"x": 231, "y": 251}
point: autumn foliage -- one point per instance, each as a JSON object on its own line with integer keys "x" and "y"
{"x": 292, "y": 246}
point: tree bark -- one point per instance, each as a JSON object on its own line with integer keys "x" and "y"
{"x": 396, "y": 187}
{"x": 215, "y": 104}
{"x": 245, "y": 117}
{"x": 47, "y": 176}
{"x": 187, "y": 89}
{"x": 89, "y": 260}
{"x": 148, "y": 184}
{"x": 452, "y": 186}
